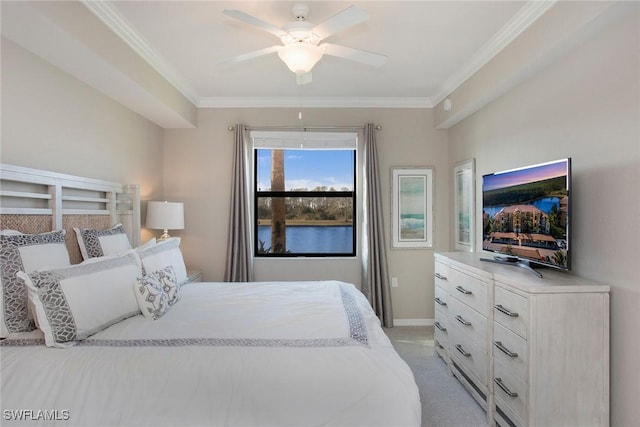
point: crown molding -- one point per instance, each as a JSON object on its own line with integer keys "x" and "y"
{"x": 315, "y": 102}
{"x": 524, "y": 18}
{"x": 113, "y": 20}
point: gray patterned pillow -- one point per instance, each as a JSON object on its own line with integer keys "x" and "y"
{"x": 96, "y": 243}
{"x": 25, "y": 252}
{"x": 72, "y": 303}
{"x": 169, "y": 282}
{"x": 153, "y": 301}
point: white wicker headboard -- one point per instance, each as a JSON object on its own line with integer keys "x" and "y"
{"x": 35, "y": 201}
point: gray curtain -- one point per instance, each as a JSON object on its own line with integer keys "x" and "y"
{"x": 375, "y": 281}
{"x": 239, "y": 255}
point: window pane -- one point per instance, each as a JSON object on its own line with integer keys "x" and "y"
{"x": 313, "y": 225}
{"x": 307, "y": 170}
{"x": 304, "y": 201}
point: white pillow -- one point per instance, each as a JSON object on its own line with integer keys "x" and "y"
{"x": 146, "y": 245}
{"x": 163, "y": 254}
{"x": 72, "y": 303}
{"x": 25, "y": 252}
{"x": 96, "y": 243}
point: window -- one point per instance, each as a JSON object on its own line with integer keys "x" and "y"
{"x": 304, "y": 194}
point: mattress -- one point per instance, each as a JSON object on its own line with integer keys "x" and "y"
{"x": 226, "y": 354}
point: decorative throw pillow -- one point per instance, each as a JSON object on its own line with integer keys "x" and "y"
{"x": 164, "y": 254}
{"x": 72, "y": 303}
{"x": 96, "y": 243}
{"x": 25, "y": 252}
{"x": 153, "y": 301}
{"x": 169, "y": 282}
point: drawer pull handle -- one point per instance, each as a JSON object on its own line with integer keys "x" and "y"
{"x": 504, "y": 349}
{"x": 463, "y": 290}
{"x": 461, "y": 320}
{"x": 461, "y": 350}
{"x": 504, "y": 387}
{"x": 440, "y": 346}
{"x": 439, "y": 301}
{"x": 440, "y": 276}
{"x": 509, "y": 313}
{"x": 439, "y": 326}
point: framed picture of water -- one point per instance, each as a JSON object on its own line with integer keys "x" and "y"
{"x": 464, "y": 204}
{"x": 412, "y": 207}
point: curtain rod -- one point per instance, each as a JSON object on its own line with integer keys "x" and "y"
{"x": 304, "y": 128}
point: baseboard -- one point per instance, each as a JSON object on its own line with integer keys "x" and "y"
{"x": 413, "y": 322}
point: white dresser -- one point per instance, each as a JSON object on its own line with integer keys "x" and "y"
{"x": 533, "y": 352}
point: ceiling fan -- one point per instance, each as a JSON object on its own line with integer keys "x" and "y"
{"x": 300, "y": 49}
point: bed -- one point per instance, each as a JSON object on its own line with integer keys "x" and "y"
{"x": 219, "y": 354}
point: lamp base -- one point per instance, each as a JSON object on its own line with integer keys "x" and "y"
{"x": 165, "y": 235}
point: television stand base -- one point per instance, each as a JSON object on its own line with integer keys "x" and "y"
{"x": 517, "y": 262}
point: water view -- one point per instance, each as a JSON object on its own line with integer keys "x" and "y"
{"x": 545, "y": 205}
{"x": 312, "y": 239}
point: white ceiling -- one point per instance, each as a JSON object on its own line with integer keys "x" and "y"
{"x": 432, "y": 47}
{"x": 426, "y": 43}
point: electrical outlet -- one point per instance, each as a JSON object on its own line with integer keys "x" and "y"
{"x": 394, "y": 282}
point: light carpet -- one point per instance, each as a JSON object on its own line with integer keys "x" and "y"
{"x": 445, "y": 401}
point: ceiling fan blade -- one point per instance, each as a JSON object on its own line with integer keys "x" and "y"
{"x": 251, "y": 55}
{"x": 341, "y": 21}
{"x": 369, "y": 58}
{"x": 245, "y": 17}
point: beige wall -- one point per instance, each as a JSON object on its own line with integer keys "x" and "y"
{"x": 198, "y": 171}
{"x": 54, "y": 122}
{"x": 585, "y": 106}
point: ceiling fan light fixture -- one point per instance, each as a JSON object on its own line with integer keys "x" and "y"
{"x": 300, "y": 57}
{"x": 300, "y": 49}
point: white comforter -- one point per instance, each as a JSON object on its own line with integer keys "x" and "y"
{"x": 253, "y": 354}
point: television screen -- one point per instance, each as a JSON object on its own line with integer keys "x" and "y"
{"x": 526, "y": 213}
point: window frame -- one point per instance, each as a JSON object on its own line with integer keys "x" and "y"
{"x": 261, "y": 194}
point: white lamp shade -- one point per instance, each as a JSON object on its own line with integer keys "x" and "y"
{"x": 300, "y": 57}
{"x": 165, "y": 215}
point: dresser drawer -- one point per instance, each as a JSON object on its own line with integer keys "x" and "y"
{"x": 469, "y": 290}
{"x": 468, "y": 354}
{"x": 510, "y": 391}
{"x": 441, "y": 326}
{"x": 442, "y": 319}
{"x": 510, "y": 350}
{"x": 441, "y": 298}
{"x": 511, "y": 310}
{"x": 472, "y": 323}
{"x": 442, "y": 338}
{"x": 441, "y": 350}
{"x": 442, "y": 275}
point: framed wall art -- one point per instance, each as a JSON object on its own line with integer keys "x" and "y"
{"x": 412, "y": 207}
{"x": 464, "y": 205}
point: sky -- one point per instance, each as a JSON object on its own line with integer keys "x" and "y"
{"x": 309, "y": 169}
{"x": 524, "y": 175}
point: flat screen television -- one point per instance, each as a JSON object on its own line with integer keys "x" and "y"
{"x": 526, "y": 214}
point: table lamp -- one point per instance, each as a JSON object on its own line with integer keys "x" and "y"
{"x": 165, "y": 216}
